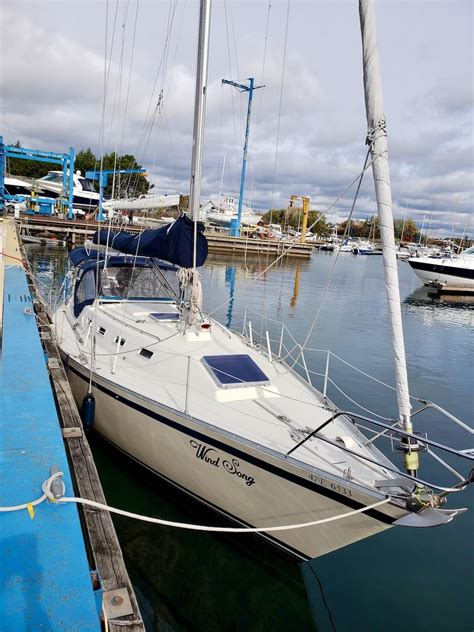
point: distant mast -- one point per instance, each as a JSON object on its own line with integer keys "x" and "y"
{"x": 377, "y": 139}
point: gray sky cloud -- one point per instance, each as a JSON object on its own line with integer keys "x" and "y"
{"x": 52, "y": 79}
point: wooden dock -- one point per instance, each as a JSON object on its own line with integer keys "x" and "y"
{"x": 44, "y": 428}
{"x": 77, "y": 231}
{"x": 440, "y": 289}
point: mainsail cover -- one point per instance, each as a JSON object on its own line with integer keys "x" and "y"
{"x": 172, "y": 243}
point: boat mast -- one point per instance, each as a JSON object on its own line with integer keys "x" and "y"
{"x": 199, "y": 108}
{"x": 377, "y": 140}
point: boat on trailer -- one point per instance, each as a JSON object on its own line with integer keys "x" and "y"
{"x": 225, "y": 416}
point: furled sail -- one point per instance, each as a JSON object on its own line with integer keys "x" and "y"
{"x": 172, "y": 243}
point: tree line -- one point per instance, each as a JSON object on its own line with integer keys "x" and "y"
{"x": 360, "y": 229}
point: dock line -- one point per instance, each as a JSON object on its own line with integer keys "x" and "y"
{"x": 48, "y": 495}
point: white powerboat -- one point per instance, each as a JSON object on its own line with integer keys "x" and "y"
{"x": 85, "y": 197}
{"x": 445, "y": 269}
{"x": 222, "y": 210}
{"x": 225, "y": 416}
{"x": 366, "y": 248}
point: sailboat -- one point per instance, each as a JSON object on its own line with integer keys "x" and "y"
{"x": 224, "y": 416}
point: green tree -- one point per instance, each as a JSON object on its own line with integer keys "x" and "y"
{"x": 126, "y": 185}
{"x": 294, "y": 216}
{"x": 410, "y": 231}
{"x": 28, "y": 168}
{"x": 86, "y": 161}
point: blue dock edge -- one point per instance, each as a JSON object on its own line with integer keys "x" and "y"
{"x": 45, "y": 579}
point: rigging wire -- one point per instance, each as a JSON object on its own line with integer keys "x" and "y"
{"x": 287, "y": 250}
{"x": 233, "y": 95}
{"x": 282, "y": 82}
{"x": 118, "y": 93}
{"x": 329, "y": 281}
{"x": 170, "y": 153}
{"x": 150, "y": 115}
{"x": 166, "y": 90}
{"x": 157, "y": 110}
{"x": 127, "y": 96}
{"x": 262, "y": 97}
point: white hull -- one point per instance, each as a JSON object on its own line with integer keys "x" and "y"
{"x": 236, "y": 479}
{"x": 458, "y": 271}
{"x": 141, "y": 204}
{"x": 224, "y": 219}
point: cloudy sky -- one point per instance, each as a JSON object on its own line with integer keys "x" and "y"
{"x": 308, "y": 127}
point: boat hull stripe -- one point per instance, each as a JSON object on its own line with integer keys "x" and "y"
{"x": 323, "y": 491}
{"x": 277, "y": 543}
{"x": 436, "y": 268}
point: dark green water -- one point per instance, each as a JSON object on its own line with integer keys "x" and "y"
{"x": 417, "y": 579}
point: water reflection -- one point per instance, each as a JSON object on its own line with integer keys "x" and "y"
{"x": 192, "y": 581}
{"x": 230, "y": 282}
{"x": 448, "y": 309}
{"x": 296, "y": 285}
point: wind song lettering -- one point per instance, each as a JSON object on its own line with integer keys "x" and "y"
{"x": 211, "y": 457}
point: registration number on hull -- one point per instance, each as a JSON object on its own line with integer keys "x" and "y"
{"x": 335, "y": 487}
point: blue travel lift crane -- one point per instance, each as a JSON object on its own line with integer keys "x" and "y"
{"x": 65, "y": 160}
{"x": 235, "y": 228}
{"x": 102, "y": 176}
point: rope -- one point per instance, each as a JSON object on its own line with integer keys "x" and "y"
{"x": 282, "y": 82}
{"x": 5, "y": 254}
{"x": 47, "y": 495}
{"x": 329, "y": 281}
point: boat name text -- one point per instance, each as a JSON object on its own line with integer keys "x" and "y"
{"x": 211, "y": 457}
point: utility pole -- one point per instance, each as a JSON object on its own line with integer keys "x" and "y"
{"x": 241, "y": 88}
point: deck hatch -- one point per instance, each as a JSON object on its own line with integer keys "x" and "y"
{"x": 146, "y": 353}
{"x": 234, "y": 370}
{"x": 164, "y": 315}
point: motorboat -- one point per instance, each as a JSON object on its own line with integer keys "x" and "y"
{"x": 221, "y": 210}
{"x": 445, "y": 269}
{"x": 366, "y": 248}
{"x": 85, "y": 197}
{"x": 348, "y": 245}
{"x": 232, "y": 418}
{"x": 15, "y": 185}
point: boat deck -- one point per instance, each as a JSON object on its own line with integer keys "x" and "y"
{"x": 273, "y": 414}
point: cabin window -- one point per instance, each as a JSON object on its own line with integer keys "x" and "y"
{"x": 85, "y": 292}
{"x": 87, "y": 185}
{"x": 131, "y": 282}
{"x": 86, "y": 289}
{"x": 146, "y": 353}
{"x": 53, "y": 177}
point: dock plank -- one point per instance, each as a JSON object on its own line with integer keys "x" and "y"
{"x": 104, "y": 544}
